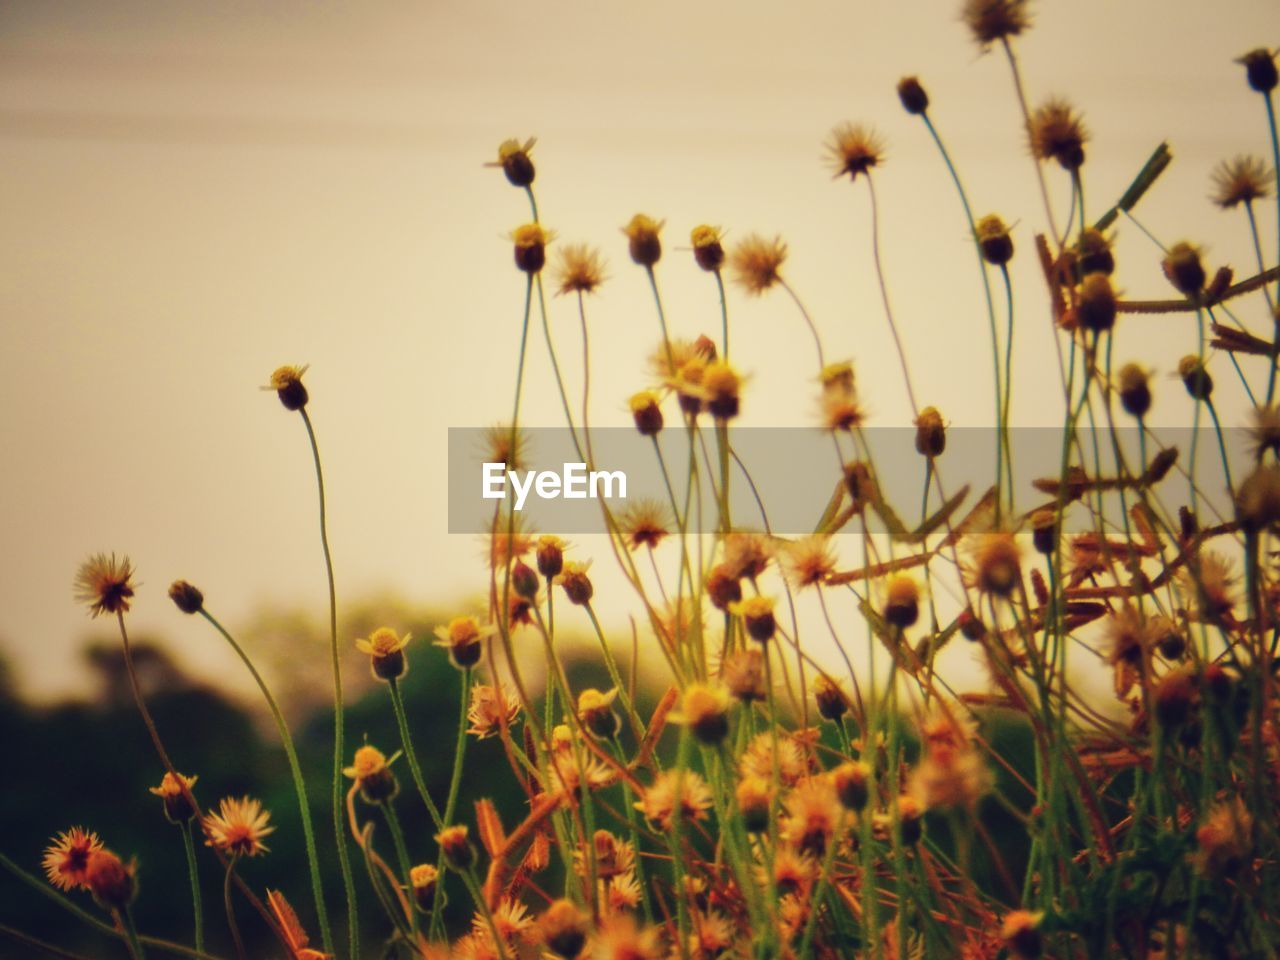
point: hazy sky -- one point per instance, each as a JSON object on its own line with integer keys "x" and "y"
{"x": 195, "y": 193}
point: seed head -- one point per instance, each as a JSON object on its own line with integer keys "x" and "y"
{"x": 994, "y": 240}
{"x": 755, "y": 262}
{"x": 530, "y": 242}
{"x": 993, "y": 20}
{"x": 513, "y": 158}
{"x": 1058, "y": 134}
{"x": 287, "y": 383}
{"x": 854, "y": 149}
{"x": 1260, "y": 69}
{"x": 579, "y": 269}
{"x": 105, "y": 584}
{"x": 1242, "y": 179}
{"x": 913, "y": 97}
{"x": 708, "y": 251}
{"x": 642, "y": 237}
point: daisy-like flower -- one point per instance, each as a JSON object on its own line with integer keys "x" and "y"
{"x": 67, "y": 856}
{"x": 385, "y": 648}
{"x": 295, "y": 937}
{"x": 1242, "y": 179}
{"x": 755, "y": 262}
{"x": 464, "y": 638}
{"x": 854, "y": 149}
{"x": 809, "y": 560}
{"x": 175, "y": 792}
{"x": 513, "y": 158}
{"x": 993, "y": 20}
{"x": 579, "y": 269}
{"x": 238, "y": 827}
{"x": 1058, "y": 134}
{"x": 675, "y": 788}
{"x": 489, "y": 705}
{"x": 105, "y": 583}
{"x": 286, "y": 381}
{"x": 645, "y": 523}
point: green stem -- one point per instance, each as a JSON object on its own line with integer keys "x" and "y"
{"x": 295, "y": 770}
{"x": 339, "y": 834}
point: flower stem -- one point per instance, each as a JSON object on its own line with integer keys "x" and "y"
{"x": 344, "y": 860}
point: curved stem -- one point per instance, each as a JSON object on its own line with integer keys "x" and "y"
{"x": 344, "y": 859}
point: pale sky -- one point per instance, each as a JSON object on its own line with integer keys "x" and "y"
{"x": 197, "y": 193}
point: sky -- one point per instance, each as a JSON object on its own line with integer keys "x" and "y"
{"x": 197, "y": 193}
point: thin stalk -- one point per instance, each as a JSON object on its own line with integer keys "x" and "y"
{"x": 295, "y": 770}
{"x": 344, "y": 860}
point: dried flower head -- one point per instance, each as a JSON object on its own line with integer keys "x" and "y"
{"x": 238, "y": 827}
{"x": 287, "y": 383}
{"x": 491, "y": 707}
{"x": 1242, "y": 179}
{"x": 175, "y": 793}
{"x": 673, "y": 790}
{"x": 530, "y": 246}
{"x": 67, "y": 856}
{"x": 645, "y": 523}
{"x": 385, "y": 649}
{"x": 1057, "y": 133}
{"x": 854, "y": 149}
{"x": 809, "y": 561}
{"x": 513, "y": 158}
{"x": 755, "y": 261}
{"x": 642, "y": 239}
{"x": 579, "y": 269}
{"x": 708, "y": 251}
{"x": 993, "y": 20}
{"x": 105, "y": 584}
{"x": 464, "y": 638}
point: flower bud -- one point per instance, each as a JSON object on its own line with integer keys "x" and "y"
{"x": 914, "y": 99}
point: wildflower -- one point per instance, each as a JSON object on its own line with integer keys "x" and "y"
{"x": 721, "y": 385}
{"x": 513, "y": 158}
{"x": 371, "y": 771}
{"x": 1093, "y": 253}
{"x": 464, "y": 638}
{"x": 992, "y": 20}
{"x": 531, "y": 241}
{"x": 854, "y": 149}
{"x": 1020, "y": 932}
{"x": 994, "y": 240}
{"x": 175, "y": 792}
{"x": 756, "y": 261}
{"x": 109, "y": 879}
{"x": 1057, "y": 134}
{"x": 105, "y": 584}
{"x": 755, "y": 796}
{"x": 287, "y": 383}
{"x": 672, "y": 789}
{"x": 564, "y": 929}
{"x": 913, "y": 96}
{"x": 595, "y": 710}
{"x": 459, "y": 854}
{"x": 746, "y": 555}
{"x": 1096, "y": 307}
{"x": 644, "y": 523}
{"x": 67, "y": 856}
{"x": 1260, "y": 69}
{"x": 833, "y": 702}
{"x": 575, "y": 582}
{"x": 295, "y": 937}
{"x": 238, "y": 827}
{"x": 1184, "y": 270}
{"x": 423, "y": 879}
{"x": 1195, "y": 377}
{"x": 642, "y": 238}
{"x": 813, "y": 815}
{"x": 902, "y": 602}
{"x": 757, "y": 617}
{"x": 550, "y": 555}
{"x": 646, "y": 412}
{"x": 1258, "y": 499}
{"x": 490, "y": 709}
{"x": 579, "y": 269}
{"x": 850, "y": 780}
{"x": 386, "y": 653}
{"x": 1242, "y": 179}
{"x": 1135, "y": 393}
{"x": 1223, "y": 839}
{"x": 996, "y": 564}
{"x": 705, "y": 711}
{"x": 931, "y": 433}
{"x": 809, "y": 560}
{"x": 707, "y": 249}
{"x": 186, "y": 597}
